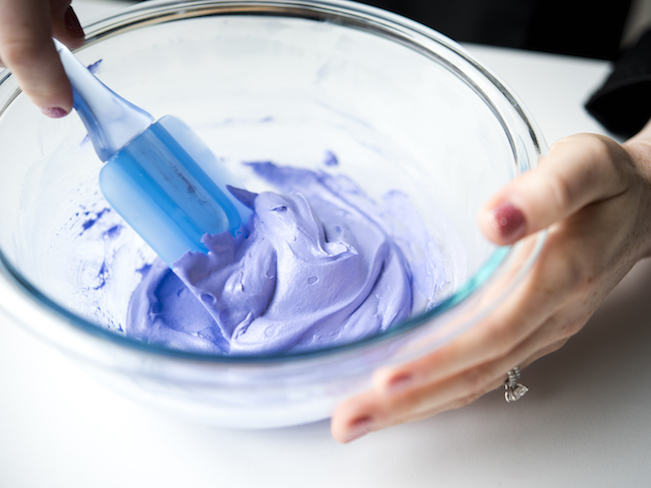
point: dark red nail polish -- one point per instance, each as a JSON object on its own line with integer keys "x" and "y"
{"x": 54, "y": 112}
{"x": 509, "y": 220}
{"x": 358, "y": 428}
{"x": 73, "y": 25}
{"x": 399, "y": 383}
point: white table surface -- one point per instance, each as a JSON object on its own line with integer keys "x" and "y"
{"x": 585, "y": 422}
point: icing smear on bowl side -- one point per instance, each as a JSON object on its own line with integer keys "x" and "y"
{"x": 319, "y": 264}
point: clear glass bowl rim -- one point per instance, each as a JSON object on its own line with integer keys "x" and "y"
{"x": 342, "y": 12}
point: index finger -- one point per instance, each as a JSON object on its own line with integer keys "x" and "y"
{"x": 26, "y": 48}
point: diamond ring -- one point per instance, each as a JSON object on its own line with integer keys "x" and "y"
{"x": 513, "y": 390}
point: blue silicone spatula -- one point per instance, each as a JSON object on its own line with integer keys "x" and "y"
{"x": 159, "y": 176}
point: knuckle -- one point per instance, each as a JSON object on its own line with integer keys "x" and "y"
{"x": 600, "y": 171}
{"x": 613, "y": 158}
{"x": 569, "y": 273}
{"x": 554, "y": 346}
{"x": 570, "y": 328}
{"x": 560, "y": 190}
{"x": 562, "y": 326}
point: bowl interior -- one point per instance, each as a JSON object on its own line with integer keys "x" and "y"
{"x": 294, "y": 90}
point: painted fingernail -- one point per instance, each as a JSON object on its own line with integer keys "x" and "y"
{"x": 54, "y": 112}
{"x": 509, "y": 220}
{"x": 358, "y": 428}
{"x": 399, "y": 383}
{"x": 73, "y": 25}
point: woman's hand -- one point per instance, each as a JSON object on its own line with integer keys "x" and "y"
{"x": 26, "y": 48}
{"x": 594, "y": 195}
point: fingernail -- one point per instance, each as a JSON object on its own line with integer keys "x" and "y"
{"x": 509, "y": 220}
{"x": 358, "y": 428}
{"x": 73, "y": 25}
{"x": 54, "y": 112}
{"x": 399, "y": 383}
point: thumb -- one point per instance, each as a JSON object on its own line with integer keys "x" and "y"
{"x": 578, "y": 170}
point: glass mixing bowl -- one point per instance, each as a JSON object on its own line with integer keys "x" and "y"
{"x": 397, "y": 105}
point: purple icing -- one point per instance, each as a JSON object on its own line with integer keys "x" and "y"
{"x": 88, "y": 223}
{"x": 330, "y": 159}
{"x": 94, "y": 67}
{"x": 318, "y": 267}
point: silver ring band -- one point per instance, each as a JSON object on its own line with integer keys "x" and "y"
{"x": 513, "y": 390}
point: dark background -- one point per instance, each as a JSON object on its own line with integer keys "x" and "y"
{"x": 578, "y": 27}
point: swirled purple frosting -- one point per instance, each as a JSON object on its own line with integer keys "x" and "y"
{"x": 318, "y": 265}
